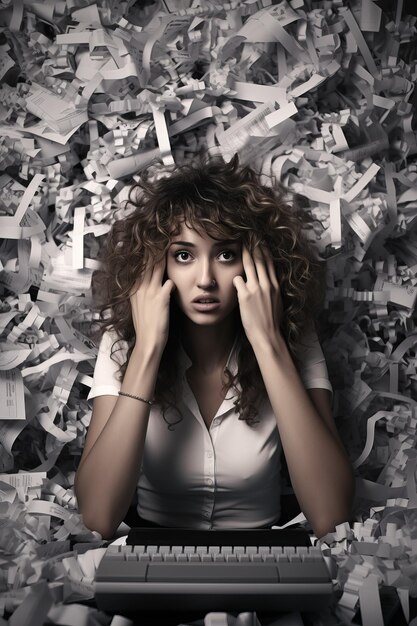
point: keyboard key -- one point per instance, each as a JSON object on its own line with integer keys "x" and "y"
{"x": 156, "y": 557}
{"x": 245, "y": 558}
{"x": 216, "y": 572}
{"x": 310, "y": 558}
{"x": 195, "y": 558}
{"x": 113, "y": 550}
{"x": 231, "y": 558}
{"x": 269, "y": 558}
{"x": 256, "y": 558}
{"x": 218, "y": 558}
{"x": 294, "y": 558}
{"x": 181, "y": 558}
{"x": 132, "y": 571}
{"x": 116, "y": 556}
{"x": 189, "y": 549}
{"x": 303, "y": 572}
{"x": 316, "y": 552}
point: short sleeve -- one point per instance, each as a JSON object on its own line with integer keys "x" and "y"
{"x": 312, "y": 364}
{"x": 105, "y": 381}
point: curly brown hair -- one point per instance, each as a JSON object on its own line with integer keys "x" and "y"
{"x": 225, "y": 201}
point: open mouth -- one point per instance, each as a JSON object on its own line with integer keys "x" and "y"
{"x": 206, "y": 305}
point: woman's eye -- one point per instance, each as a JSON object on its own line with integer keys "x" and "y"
{"x": 177, "y": 254}
{"x": 229, "y": 252}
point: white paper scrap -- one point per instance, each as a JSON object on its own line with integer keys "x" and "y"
{"x": 12, "y": 397}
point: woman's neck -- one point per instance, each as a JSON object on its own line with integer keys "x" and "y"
{"x": 209, "y": 346}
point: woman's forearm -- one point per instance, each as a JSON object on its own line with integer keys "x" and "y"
{"x": 320, "y": 471}
{"x": 106, "y": 480}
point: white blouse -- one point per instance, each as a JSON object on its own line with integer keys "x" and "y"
{"x": 225, "y": 476}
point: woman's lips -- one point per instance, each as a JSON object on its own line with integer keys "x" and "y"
{"x": 206, "y": 306}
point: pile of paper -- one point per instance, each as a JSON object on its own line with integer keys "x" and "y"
{"x": 319, "y": 95}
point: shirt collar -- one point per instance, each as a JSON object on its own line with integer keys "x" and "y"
{"x": 188, "y": 397}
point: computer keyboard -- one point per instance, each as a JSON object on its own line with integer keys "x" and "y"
{"x": 213, "y": 570}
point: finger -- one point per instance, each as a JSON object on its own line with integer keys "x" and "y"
{"x": 158, "y": 271}
{"x": 239, "y": 283}
{"x": 145, "y": 276}
{"x": 169, "y": 285}
{"x": 135, "y": 287}
{"x": 271, "y": 268}
{"x": 261, "y": 269}
{"x": 249, "y": 266}
{"x": 275, "y": 283}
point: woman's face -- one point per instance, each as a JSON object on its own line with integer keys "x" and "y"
{"x": 193, "y": 264}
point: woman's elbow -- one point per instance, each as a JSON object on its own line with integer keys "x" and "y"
{"x": 321, "y": 530}
{"x": 328, "y": 524}
{"x": 92, "y": 519}
{"x": 106, "y": 529}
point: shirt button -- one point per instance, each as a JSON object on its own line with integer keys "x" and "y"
{"x": 206, "y": 514}
{"x": 209, "y": 454}
{"x": 209, "y": 481}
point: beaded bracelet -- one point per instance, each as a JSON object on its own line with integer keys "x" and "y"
{"x": 129, "y": 395}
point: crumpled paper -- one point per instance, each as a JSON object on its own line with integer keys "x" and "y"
{"x": 321, "y": 98}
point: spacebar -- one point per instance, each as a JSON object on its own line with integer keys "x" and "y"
{"x": 212, "y": 572}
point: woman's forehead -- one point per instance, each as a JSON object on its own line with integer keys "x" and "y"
{"x": 188, "y": 229}
{"x": 190, "y": 232}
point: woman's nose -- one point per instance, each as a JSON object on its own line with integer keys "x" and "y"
{"x": 206, "y": 277}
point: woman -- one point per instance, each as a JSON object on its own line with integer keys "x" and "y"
{"x": 204, "y": 397}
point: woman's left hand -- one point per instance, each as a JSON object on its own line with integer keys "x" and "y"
{"x": 259, "y": 297}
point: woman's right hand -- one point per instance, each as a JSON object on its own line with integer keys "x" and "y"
{"x": 150, "y": 299}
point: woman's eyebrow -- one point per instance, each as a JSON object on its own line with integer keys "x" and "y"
{"x": 225, "y": 242}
